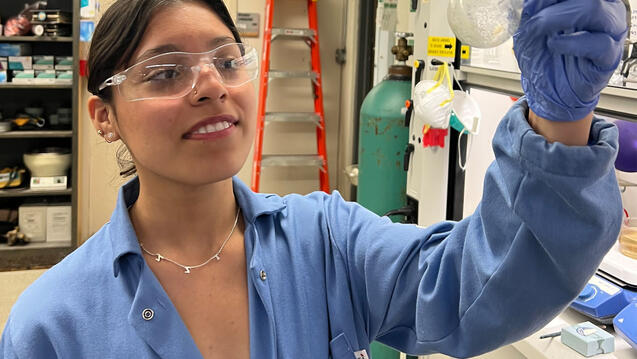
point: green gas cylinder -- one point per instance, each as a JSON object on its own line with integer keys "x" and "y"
{"x": 382, "y": 180}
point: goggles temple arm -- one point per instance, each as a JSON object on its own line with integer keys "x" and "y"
{"x": 112, "y": 81}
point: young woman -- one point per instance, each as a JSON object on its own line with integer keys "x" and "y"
{"x": 193, "y": 264}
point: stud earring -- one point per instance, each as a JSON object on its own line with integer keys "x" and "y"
{"x": 109, "y": 138}
{"x": 100, "y": 133}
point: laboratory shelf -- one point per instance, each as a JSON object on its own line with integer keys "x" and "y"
{"x": 614, "y": 100}
{"x": 35, "y": 245}
{"x": 33, "y": 255}
{"x": 8, "y": 85}
{"x": 14, "y": 97}
{"x": 36, "y": 134}
{"x": 28, "y": 192}
{"x": 36, "y": 39}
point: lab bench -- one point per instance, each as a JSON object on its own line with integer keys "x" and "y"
{"x": 533, "y": 347}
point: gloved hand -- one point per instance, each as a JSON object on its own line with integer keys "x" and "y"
{"x": 567, "y": 51}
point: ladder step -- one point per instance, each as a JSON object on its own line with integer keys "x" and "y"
{"x": 291, "y": 160}
{"x": 293, "y": 34}
{"x": 309, "y": 35}
{"x": 292, "y": 74}
{"x": 293, "y": 117}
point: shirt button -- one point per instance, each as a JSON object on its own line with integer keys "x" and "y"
{"x": 263, "y": 275}
{"x": 148, "y": 314}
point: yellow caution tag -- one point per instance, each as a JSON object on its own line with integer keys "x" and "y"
{"x": 465, "y": 52}
{"x": 441, "y": 46}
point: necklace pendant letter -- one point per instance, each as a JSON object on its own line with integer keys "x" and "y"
{"x": 217, "y": 257}
{"x": 159, "y": 257}
{"x": 187, "y": 270}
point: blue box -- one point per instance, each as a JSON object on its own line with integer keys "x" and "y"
{"x": 587, "y": 339}
{"x": 14, "y": 49}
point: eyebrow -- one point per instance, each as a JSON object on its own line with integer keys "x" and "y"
{"x": 171, "y": 48}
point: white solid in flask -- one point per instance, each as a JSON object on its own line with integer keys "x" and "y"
{"x": 484, "y": 23}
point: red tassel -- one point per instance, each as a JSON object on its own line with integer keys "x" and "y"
{"x": 83, "y": 68}
{"x": 434, "y": 137}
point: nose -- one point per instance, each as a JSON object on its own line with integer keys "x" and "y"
{"x": 208, "y": 85}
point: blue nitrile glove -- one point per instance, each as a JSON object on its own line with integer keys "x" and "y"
{"x": 567, "y": 51}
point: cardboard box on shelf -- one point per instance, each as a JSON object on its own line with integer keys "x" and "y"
{"x": 64, "y": 62}
{"x": 44, "y": 62}
{"x": 23, "y": 77}
{"x": 20, "y": 63}
{"x": 58, "y": 223}
{"x": 46, "y": 77}
{"x": 32, "y": 221}
{"x": 64, "y": 77}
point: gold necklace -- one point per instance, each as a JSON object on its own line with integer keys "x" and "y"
{"x": 159, "y": 257}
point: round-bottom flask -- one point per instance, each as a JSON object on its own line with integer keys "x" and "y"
{"x": 484, "y": 23}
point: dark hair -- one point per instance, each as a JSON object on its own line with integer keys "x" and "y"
{"x": 116, "y": 38}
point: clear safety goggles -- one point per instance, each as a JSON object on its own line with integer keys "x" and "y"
{"x": 174, "y": 74}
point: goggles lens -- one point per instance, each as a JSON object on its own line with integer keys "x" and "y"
{"x": 174, "y": 74}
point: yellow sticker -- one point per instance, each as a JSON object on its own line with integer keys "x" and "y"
{"x": 441, "y": 46}
{"x": 465, "y": 52}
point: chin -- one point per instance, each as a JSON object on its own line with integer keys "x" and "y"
{"x": 211, "y": 173}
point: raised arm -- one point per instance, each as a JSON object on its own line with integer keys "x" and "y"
{"x": 550, "y": 210}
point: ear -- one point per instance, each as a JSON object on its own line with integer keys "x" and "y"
{"x": 103, "y": 118}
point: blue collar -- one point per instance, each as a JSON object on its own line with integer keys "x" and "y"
{"x": 124, "y": 239}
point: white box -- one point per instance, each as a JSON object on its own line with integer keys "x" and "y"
{"x": 23, "y": 77}
{"x": 44, "y": 62}
{"x": 64, "y": 77}
{"x": 64, "y": 63}
{"x": 45, "y": 77}
{"x": 20, "y": 63}
{"x": 32, "y": 222}
{"x": 58, "y": 223}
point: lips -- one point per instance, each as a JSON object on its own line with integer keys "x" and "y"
{"x": 211, "y": 127}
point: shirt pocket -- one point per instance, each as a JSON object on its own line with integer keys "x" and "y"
{"x": 340, "y": 348}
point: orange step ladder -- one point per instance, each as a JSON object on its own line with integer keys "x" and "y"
{"x": 310, "y": 36}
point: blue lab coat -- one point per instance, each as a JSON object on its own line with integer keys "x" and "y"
{"x": 326, "y": 277}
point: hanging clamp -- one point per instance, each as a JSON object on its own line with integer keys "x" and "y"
{"x": 409, "y": 109}
{"x": 419, "y": 65}
{"x": 408, "y": 151}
